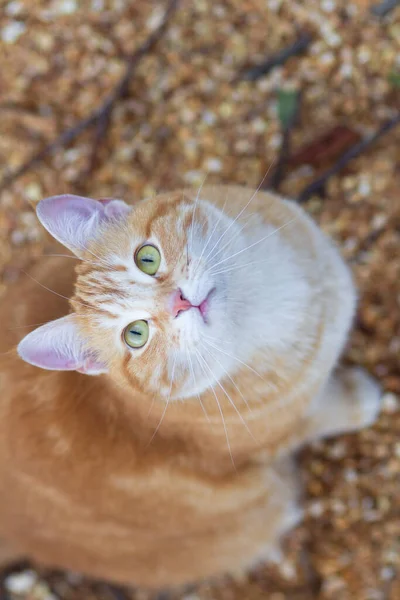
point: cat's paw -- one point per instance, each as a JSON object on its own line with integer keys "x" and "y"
{"x": 367, "y": 394}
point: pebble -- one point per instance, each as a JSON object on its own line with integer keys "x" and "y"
{"x": 21, "y": 583}
{"x": 11, "y": 32}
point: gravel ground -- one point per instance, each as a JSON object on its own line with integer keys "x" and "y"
{"x": 192, "y": 110}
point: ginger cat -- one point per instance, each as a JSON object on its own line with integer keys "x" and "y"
{"x": 147, "y": 436}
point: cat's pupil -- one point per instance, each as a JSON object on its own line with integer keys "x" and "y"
{"x": 148, "y": 260}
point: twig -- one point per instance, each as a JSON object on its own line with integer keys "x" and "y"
{"x": 105, "y": 114}
{"x": 278, "y": 59}
{"x": 117, "y": 592}
{"x": 384, "y": 8}
{"x": 318, "y": 186}
{"x": 102, "y": 115}
{"x": 65, "y": 138}
{"x": 366, "y": 244}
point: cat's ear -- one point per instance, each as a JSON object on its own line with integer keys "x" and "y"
{"x": 75, "y": 221}
{"x": 58, "y": 346}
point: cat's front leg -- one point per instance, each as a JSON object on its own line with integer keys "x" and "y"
{"x": 349, "y": 401}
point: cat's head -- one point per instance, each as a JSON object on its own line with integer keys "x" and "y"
{"x": 158, "y": 298}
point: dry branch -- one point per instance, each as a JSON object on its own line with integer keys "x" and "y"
{"x": 276, "y": 60}
{"x": 318, "y": 185}
{"x": 101, "y": 116}
{"x": 384, "y": 8}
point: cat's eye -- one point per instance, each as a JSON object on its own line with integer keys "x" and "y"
{"x": 136, "y": 334}
{"x": 148, "y": 259}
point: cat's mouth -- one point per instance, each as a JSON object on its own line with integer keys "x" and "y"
{"x": 204, "y": 306}
{"x": 180, "y": 304}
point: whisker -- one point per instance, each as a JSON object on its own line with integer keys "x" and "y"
{"x": 220, "y": 411}
{"x": 52, "y": 291}
{"x": 194, "y": 212}
{"x": 151, "y": 407}
{"x": 241, "y": 211}
{"x": 74, "y": 258}
{"x": 26, "y": 326}
{"x": 210, "y": 236}
{"x": 231, "y": 402}
{"x": 236, "y": 234}
{"x": 229, "y": 377}
{"x": 166, "y": 404}
{"x": 253, "y": 244}
{"x": 7, "y": 352}
{"x": 104, "y": 263}
{"x": 234, "y": 358}
{"x": 240, "y": 266}
{"x": 195, "y": 384}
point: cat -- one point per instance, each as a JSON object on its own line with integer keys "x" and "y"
{"x": 148, "y": 426}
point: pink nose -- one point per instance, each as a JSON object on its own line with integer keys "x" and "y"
{"x": 179, "y": 303}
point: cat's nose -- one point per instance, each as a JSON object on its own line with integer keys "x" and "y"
{"x": 178, "y": 303}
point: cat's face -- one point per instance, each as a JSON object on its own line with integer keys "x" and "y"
{"x": 158, "y": 296}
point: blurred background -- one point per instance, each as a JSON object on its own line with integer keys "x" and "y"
{"x": 121, "y": 98}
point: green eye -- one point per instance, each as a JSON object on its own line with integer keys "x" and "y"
{"x": 148, "y": 259}
{"x": 136, "y": 334}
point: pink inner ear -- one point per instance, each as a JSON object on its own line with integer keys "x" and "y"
{"x": 75, "y": 221}
{"x": 58, "y": 346}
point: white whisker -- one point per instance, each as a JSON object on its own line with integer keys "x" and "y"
{"x": 229, "y": 377}
{"x": 167, "y": 402}
{"x": 220, "y": 410}
{"x": 231, "y": 402}
{"x": 236, "y": 234}
{"x": 104, "y": 263}
{"x": 26, "y": 326}
{"x": 151, "y": 406}
{"x": 195, "y": 385}
{"x": 234, "y": 358}
{"x": 241, "y": 211}
{"x": 73, "y": 257}
{"x": 53, "y": 291}
{"x": 240, "y": 266}
{"x": 210, "y": 236}
{"x": 194, "y": 212}
{"x": 253, "y": 244}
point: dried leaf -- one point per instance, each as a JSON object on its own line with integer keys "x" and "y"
{"x": 326, "y": 149}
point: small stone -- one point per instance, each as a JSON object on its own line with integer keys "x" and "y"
{"x": 226, "y": 110}
{"x": 346, "y": 71}
{"x": 213, "y": 165}
{"x": 364, "y": 187}
{"x": 316, "y": 509}
{"x": 209, "y": 117}
{"x": 13, "y": 9}
{"x": 11, "y": 32}
{"x": 33, "y": 192}
{"x": 17, "y": 237}
{"x": 327, "y": 58}
{"x": 194, "y": 177}
{"x": 21, "y": 583}
{"x": 328, "y": 6}
{"x": 66, "y": 7}
{"x": 259, "y": 125}
{"x": 390, "y": 403}
{"x": 387, "y": 573}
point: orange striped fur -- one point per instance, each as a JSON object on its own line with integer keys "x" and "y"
{"x": 145, "y": 474}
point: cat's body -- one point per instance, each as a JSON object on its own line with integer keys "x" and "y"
{"x": 103, "y": 475}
